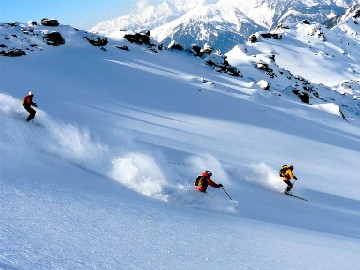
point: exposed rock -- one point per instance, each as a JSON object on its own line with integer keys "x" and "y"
{"x": 357, "y": 13}
{"x": 124, "y": 48}
{"x": 196, "y": 50}
{"x": 54, "y": 39}
{"x": 304, "y": 97}
{"x": 138, "y": 38}
{"x": 97, "y": 41}
{"x": 271, "y": 35}
{"x": 12, "y": 24}
{"x": 316, "y": 32}
{"x": 49, "y": 22}
{"x": 13, "y": 52}
{"x": 281, "y": 26}
{"x": 176, "y": 46}
{"x": 220, "y": 64}
{"x": 265, "y": 67}
{"x": 161, "y": 47}
{"x": 252, "y": 39}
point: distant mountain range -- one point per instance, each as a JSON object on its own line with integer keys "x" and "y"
{"x": 224, "y": 23}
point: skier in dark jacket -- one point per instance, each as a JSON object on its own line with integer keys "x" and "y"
{"x": 27, "y": 103}
{"x": 204, "y": 180}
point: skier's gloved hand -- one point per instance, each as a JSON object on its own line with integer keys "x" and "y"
{"x": 295, "y": 177}
{"x": 35, "y": 105}
{"x": 220, "y": 185}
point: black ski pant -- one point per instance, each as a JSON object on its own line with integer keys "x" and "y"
{"x": 31, "y": 111}
{"x": 289, "y": 185}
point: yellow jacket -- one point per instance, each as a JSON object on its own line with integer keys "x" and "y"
{"x": 288, "y": 175}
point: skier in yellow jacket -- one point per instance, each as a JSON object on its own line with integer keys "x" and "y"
{"x": 286, "y": 178}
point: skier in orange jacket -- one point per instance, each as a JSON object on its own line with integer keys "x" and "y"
{"x": 27, "y": 103}
{"x": 203, "y": 181}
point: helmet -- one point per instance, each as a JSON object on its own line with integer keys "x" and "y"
{"x": 208, "y": 173}
{"x": 31, "y": 93}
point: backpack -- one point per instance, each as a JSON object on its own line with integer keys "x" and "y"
{"x": 283, "y": 170}
{"x": 25, "y": 102}
{"x": 200, "y": 181}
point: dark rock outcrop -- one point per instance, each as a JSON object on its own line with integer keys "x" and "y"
{"x": 304, "y": 97}
{"x": 97, "y": 41}
{"x": 13, "y": 52}
{"x": 138, "y": 38}
{"x": 49, "y": 22}
{"x": 176, "y": 46}
{"x": 54, "y": 39}
{"x": 124, "y": 48}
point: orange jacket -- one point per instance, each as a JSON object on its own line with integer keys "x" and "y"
{"x": 206, "y": 183}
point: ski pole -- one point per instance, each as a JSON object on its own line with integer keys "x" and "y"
{"x": 227, "y": 194}
{"x": 20, "y": 113}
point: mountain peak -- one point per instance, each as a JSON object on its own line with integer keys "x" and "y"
{"x": 220, "y": 23}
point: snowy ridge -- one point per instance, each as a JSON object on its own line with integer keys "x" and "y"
{"x": 180, "y": 21}
{"x": 349, "y": 23}
{"x": 217, "y": 25}
{"x": 332, "y": 52}
{"x": 106, "y": 181}
{"x": 146, "y": 18}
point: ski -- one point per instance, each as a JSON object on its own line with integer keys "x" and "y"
{"x": 36, "y": 124}
{"x": 301, "y": 198}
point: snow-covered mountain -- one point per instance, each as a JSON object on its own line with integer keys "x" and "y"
{"x": 146, "y": 18}
{"x": 103, "y": 178}
{"x": 222, "y": 24}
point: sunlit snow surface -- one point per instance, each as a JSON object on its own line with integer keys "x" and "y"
{"x": 105, "y": 181}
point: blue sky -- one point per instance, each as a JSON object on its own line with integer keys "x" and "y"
{"x": 82, "y": 14}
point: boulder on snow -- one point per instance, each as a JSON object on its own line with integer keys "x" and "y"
{"x": 201, "y": 52}
{"x": 97, "y": 41}
{"x": 54, "y": 39}
{"x": 196, "y": 50}
{"x": 220, "y": 64}
{"x": 252, "y": 38}
{"x": 49, "y": 22}
{"x": 138, "y": 38}
{"x": 176, "y": 46}
{"x": 266, "y": 68}
{"x": 357, "y": 13}
{"x": 14, "y": 24}
{"x": 13, "y": 52}
{"x": 124, "y": 48}
{"x": 281, "y": 26}
{"x": 270, "y": 35}
{"x": 304, "y": 97}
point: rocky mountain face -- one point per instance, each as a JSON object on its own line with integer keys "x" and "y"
{"x": 222, "y": 24}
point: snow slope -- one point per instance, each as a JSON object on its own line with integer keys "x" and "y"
{"x": 105, "y": 180}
